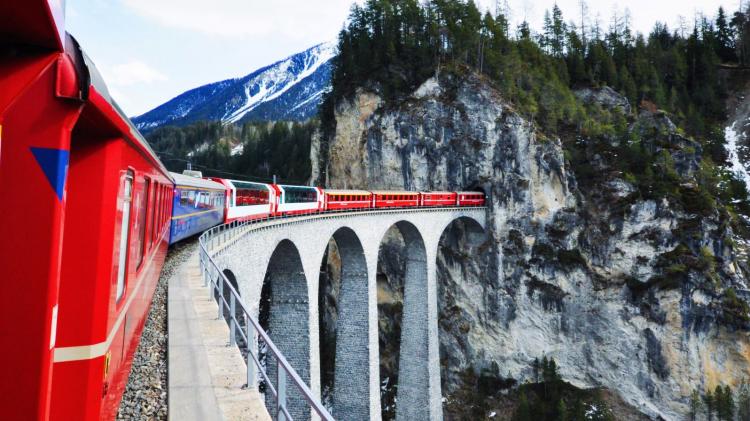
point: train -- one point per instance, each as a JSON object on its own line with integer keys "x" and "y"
{"x": 85, "y": 224}
{"x": 199, "y": 201}
{"x": 90, "y": 215}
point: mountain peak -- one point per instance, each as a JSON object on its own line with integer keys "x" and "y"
{"x": 289, "y": 89}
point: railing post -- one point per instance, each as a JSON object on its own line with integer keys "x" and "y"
{"x": 250, "y": 344}
{"x": 281, "y": 390}
{"x": 232, "y": 333}
{"x": 220, "y": 301}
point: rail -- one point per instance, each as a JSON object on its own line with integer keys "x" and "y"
{"x": 212, "y": 242}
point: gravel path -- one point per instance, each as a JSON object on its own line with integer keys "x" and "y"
{"x": 145, "y": 395}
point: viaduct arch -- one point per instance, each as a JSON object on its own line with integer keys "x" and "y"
{"x": 285, "y": 256}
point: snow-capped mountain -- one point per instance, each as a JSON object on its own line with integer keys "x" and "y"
{"x": 290, "y": 89}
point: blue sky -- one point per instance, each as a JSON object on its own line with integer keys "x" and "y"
{"x": 149, "y": 51}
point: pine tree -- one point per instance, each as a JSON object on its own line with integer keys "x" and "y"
{"x": 545, "y": 39}
{"x": 724, "y": 37}
{"x": 708, "y": 401}
{"x": 559, "y": 30}
{"x": 695, "y": 405}
{"x": 729, "y": 407}
{"x": 743, "y": 402}
{"x": 720, "y": 403}
{"x": 523, "y": 412}
{"x": 741, "y": 29}
{"x": 562, "y": 411}
{"x": 524, "y": 31}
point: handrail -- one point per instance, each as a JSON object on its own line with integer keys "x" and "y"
{"x": 218, "y": 236}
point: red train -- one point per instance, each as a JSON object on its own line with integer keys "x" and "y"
{"x": 246, "y": 200}
{"x": 85, "y": 225}
{"x": 87, "y": 217}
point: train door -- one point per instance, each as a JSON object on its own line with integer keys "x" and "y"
{"x": 90, "y": 277}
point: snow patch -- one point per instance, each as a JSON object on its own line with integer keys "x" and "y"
{"x": 237, "y": 150}
{"x": 731, "y": 136}
{"x": 275, "y": 81}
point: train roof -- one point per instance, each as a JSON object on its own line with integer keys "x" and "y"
{"x": 232, "y": 182}
{"x": 437, "y": 192}
{"x": 394, "y": 192}
{"x": 186, "y": 180}
{"x": 470, "y": 192}
{"x": 283, "y": 186}
{"x": 327, "y": 191}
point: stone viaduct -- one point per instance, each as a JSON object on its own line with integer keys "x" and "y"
{"x": 287, "y": 254}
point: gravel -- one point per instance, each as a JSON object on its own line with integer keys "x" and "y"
{"x": 145, "y": 396}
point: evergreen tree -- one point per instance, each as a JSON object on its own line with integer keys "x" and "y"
{"x": 536, "y": 367}
{"x": 558, "y": 32}
{"x": 708, "y": 402}
{"x": 743, "y": 402}
{"x": 562, "y": 411}
{"x": 739, "y": 25}
{"x": 728, "y": 406}
{"x": 695, "y": 405}
{"x": 724, "y": 37}
{"x": 523, "y": 411}
{"x": 724, "y": 403}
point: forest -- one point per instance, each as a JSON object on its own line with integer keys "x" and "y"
{"x": 263, "y": 150}
{"x": 392, "y": 46}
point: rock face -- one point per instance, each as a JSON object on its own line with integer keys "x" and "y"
{"x": 562, "y": 273}
{"x": 607, "y": 97}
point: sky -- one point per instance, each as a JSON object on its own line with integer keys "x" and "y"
{"x": 150, "y": 51}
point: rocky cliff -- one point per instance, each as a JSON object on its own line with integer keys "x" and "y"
{"x": 625, "y": 293}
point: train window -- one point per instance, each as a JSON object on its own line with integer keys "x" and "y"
{"x": 141, "y": 222}
{"x": 124, "y": 203}
{"x": 250, "y": 194}
{"x": 154, "y": 208}
{"x": 293, "y": 194}
{"x": 157, "y": 214}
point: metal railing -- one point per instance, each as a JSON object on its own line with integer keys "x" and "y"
{"x": 213, "y": 276}
{"x": 215, "y": 240}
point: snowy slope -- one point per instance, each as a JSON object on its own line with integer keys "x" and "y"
{"x": 290, "y": 89}
{"x": 732, "y": 145}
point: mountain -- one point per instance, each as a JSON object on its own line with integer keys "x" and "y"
{"x": 290, "y": 89}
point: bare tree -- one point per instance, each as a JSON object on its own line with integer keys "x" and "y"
{"x": 682, "y": 26}
{"x": 584, "y": 7}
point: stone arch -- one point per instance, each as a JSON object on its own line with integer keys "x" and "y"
{"x": 351, "y": 374}
{"x": 284, "y": 309}
{"x": 462, "y": 262}
{"x": 475, "y": 233}
{"x": 414, "y": 383}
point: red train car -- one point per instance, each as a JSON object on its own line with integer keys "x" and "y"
{"x": 347, "y": 199}
{"x": 298, "y": 200}
{"x": 395, "y": 199}
{"x": 85, "y": 226}
{"x": 470, "y": 198}
{"x": 438, "y": 198}
{"x": 246, "y": 200}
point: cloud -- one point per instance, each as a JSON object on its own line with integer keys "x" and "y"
{"x": 131, "y": 73}
{"x": 294, "y": 19}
